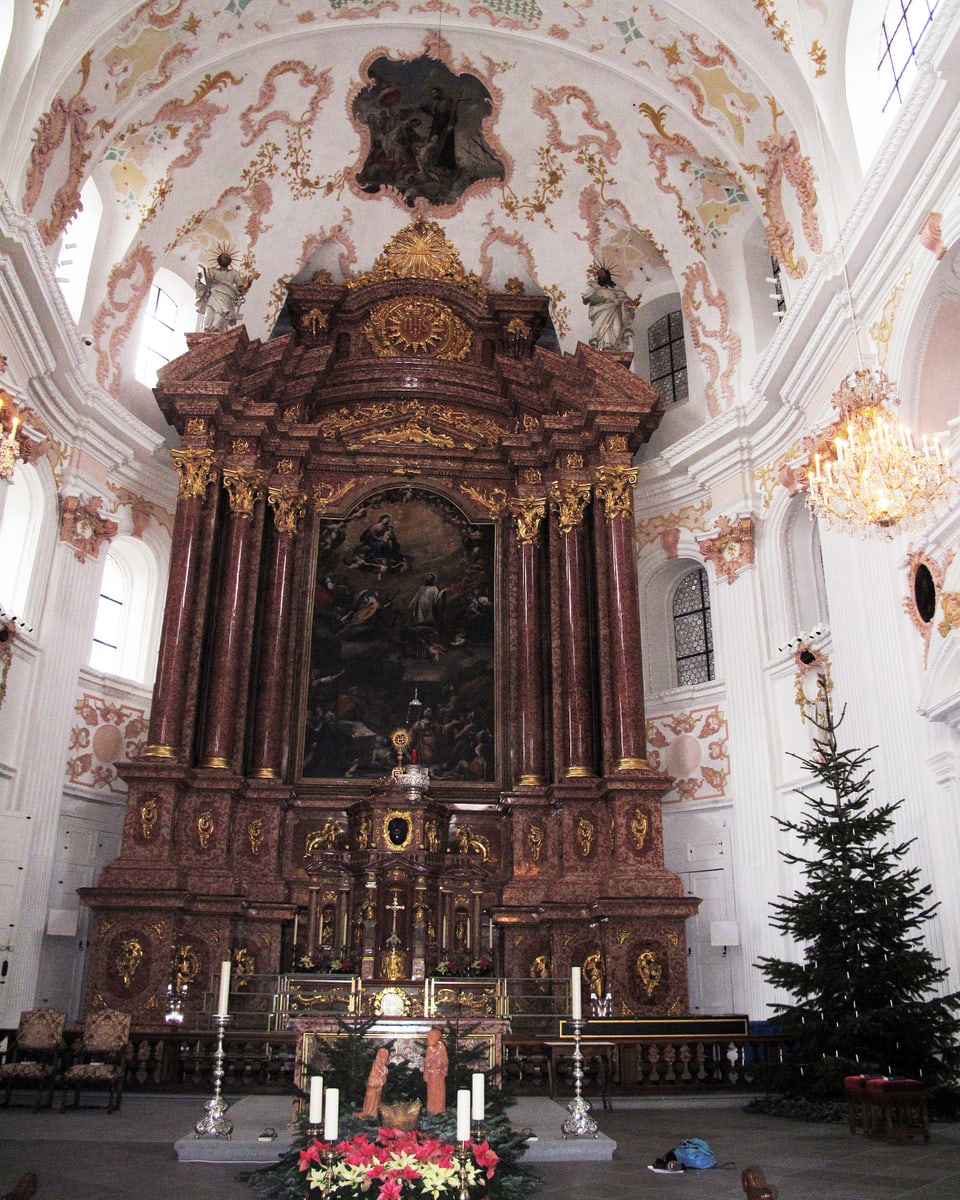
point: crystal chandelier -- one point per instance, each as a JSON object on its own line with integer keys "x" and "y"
{"x": 9, "y": 444}
{"x": 867, "y": 475}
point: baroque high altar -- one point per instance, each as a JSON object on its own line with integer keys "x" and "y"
{"x": 398, "y": 714}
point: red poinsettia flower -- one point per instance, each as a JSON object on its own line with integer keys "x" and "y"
{"x": 483, "y": 1156}
{"x": 391, "y": 1190}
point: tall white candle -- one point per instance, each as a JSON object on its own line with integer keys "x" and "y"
{"x": 223, "y": 1000}
{"x": 576, "y": 1005}
{"x": 463, "y": 1115}
{"x": 316, "y": 1101}
{"x": 331, "y": 1114}
{"x": 477, "y": 1096}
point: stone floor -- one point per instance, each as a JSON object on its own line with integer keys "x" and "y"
{"x": 129, "y": 1155}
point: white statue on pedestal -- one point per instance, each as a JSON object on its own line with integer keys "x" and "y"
{"x": 220, "y": 292}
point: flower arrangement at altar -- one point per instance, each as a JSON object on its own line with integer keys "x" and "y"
{"x": 480, "y": 966}
{"x": 342, "y": 965}
{"x": 449, "y": 966}
{"x": 395, "y": 1165}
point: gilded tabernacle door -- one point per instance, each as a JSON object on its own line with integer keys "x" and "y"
{"x": 402, "y": 641}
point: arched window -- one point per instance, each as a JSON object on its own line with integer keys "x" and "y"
{"x": 21, "y": 520}
{"x": 692, "y": 631}
{"x": 170, "y": 313}
{"x": 904, "y": 24}
{"x": 668, "y": 358}
{"x": 124, "y": 637}
{"x": 76, "y": 249}
{"x": 109, "y": 628}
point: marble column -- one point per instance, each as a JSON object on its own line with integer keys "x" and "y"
{"x": 226, "y": 653}
{"x": 622, "y": 625}
{"x": 288, "y": 506}
{"x": 528, "y": 515}
{"x": 197, "y": 471}
{"x": 569, "y": 501}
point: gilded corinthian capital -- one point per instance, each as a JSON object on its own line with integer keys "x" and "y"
{"x": 197, "y": 471}
{"x": 288, "y": 504}
{"x": 615, "y": 488}
{"x": 527, "y": 515}
{"x": 569, "y": 501}
{"x": 245, "y": 488}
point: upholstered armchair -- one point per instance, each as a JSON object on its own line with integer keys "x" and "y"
{"x": 35, "y": 1057}
{"x": 102, "y": 1058}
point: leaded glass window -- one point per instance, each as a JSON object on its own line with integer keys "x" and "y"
{"x": 668, "y": 358}
{"x": 692, "y": 632}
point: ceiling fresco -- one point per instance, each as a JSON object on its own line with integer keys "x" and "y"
{"x": 660, "y": 139}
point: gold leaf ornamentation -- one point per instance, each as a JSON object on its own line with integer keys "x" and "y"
{"x": 417, "y": 325}
{"x": 197, "y": 471}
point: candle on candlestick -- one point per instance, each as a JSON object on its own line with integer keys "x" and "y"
{"x": 223, "y": 1000}
{"x": 331, "y": 1114}
{"x": 316, "y": 1100}
{"x": 463, "y": 1115}
{"x": 477, "y": 1097}
{"x": 576, "y": 1004}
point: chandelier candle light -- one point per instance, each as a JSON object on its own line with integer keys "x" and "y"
{"x": 9, "y": 445}
{"x": 870, "y": 477}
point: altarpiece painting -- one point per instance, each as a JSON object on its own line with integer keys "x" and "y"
{"x": 402, "y": 639}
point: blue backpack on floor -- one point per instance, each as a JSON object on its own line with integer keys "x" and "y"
{"x": 694, "y": 1152}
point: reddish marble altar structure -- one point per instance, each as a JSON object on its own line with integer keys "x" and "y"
{"x": 410, "y": 385}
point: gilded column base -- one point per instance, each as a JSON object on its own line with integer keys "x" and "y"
{"x": 221, "y": 764}
{"x": 531, "y": 781}
{"x": 266, "y": 773}
{"x": 159, "y": 752}
{"x": 632, "y": 764}
{"x": 578, "y": 773}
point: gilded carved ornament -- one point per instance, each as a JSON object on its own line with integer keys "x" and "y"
{"x": 255, "y": 834}
{"x": 244, "y": 964}
{"x": 527, "y": 515}
{"x": 621, "y": 936}
{"x": 149, "y": 815}
{"x": 417, "y": 325}
{"x": 412, "y": 432}
{"x": 195, "y": 427}
{"x": 82, "y": 527}
{"x": 569, "y": 501}
{"x": 574, "y": 461}
{"x": 240, "y": 446}
{"x": 950, "y": 606}
{"x": 639, "y": 825}
{"x": 420, "y": 251}
{"x": 128, "y": 960}
{"x": 535, "y": 842}
{"x": 288, "y": 504}
{"x": 339, "y": 424}
{"x": 323, "y": 839}
{"x": 673, "y": 938}
{"x": 186, "y": 966}
{"x": 649, "y": 971}
{"x": 616, "y": 443}
{"x": 285, "y": 466}
{"x": 586, "y": 831}
{"x": 731, "y": 548}
{"x": 615, "y": 488}
{"x": 531, "y": 475}
{"x": 494, "y": 501}
{"x": 205, "y": 828}
{"x": 197, "y": 471}
{"x": 314, "y": 322}
{"x": 325, "y": 494}
{"x": 245, "y": 488}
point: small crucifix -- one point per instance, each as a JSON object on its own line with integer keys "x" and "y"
{"x": 395, "y": 907}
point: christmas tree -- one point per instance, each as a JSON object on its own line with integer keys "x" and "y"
{"x": 865, "y": 992}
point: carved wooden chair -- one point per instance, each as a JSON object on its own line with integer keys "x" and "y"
{"x": 35, "y": 1057}
{"x": 102, "y": 1058}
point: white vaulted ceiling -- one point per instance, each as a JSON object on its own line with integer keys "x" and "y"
{"x": 680, "y": 143}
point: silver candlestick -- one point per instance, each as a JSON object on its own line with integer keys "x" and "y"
{"x": 579, "y": 1123}
{"x": 215, "y": 1121}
